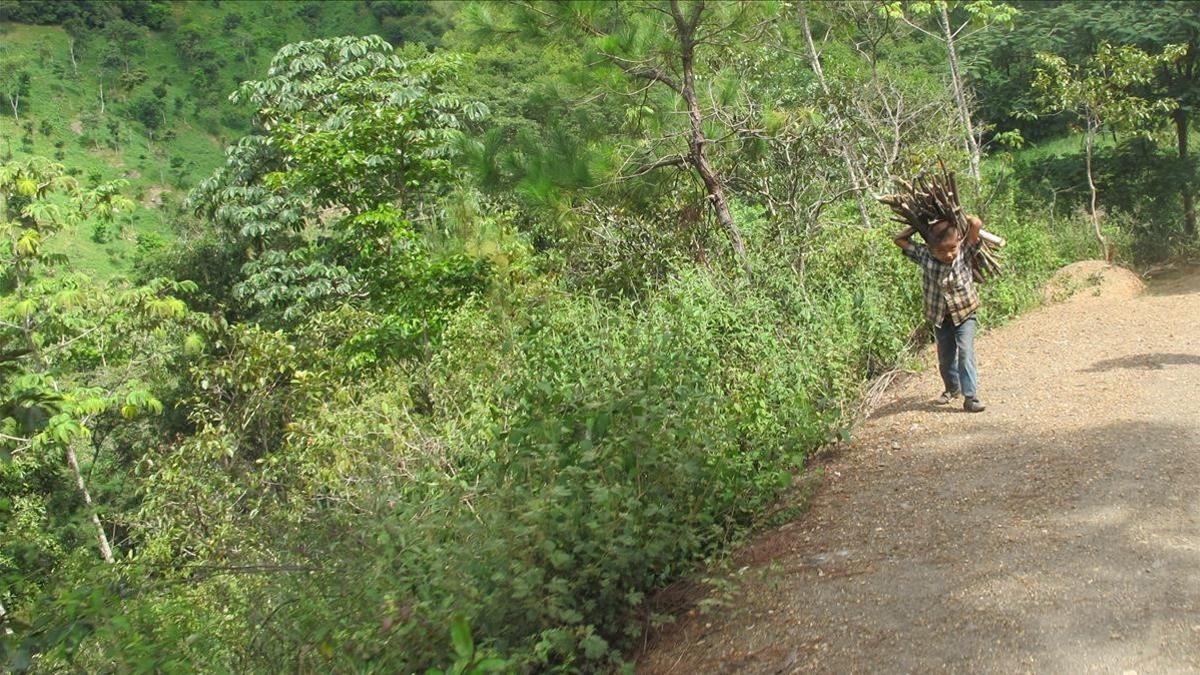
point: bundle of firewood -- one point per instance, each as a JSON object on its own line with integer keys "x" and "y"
{"x": 930, "y": 205}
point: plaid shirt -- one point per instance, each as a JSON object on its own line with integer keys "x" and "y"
{"x": 949, "y": 289}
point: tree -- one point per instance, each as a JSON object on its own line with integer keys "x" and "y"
{"x": 150, "y": 111}
{"x": 77, "y": 32}
{"x": 358, "y": 124}
{"x": 1103, "y": 93}
{"x": 404, "y": 21}
{"x": 951, "y": 31}
{"x": 661, "y": 47}
{"x": 1005, "y": 64}
{"x": 355, "y": 141}
{"x": 1154, "y": 28}
{"x": 114, "y": 133}
{"x": 196, "y": 47}
{"x": 50, "y": 325}
{"x": 82, "y": 366}
{"x": 1179, "y": 23}
{"x": 125, "y": 43}
{"x": 840, "y": 109}
{"x": 152, "y": 14}
{"x": 14, "y": 80}
{"x": 852, "y": 171}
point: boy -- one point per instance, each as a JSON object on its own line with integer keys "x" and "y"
{"x": 950, "y": 304}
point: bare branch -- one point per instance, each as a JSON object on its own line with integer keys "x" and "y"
{"x": 676, "y": 160}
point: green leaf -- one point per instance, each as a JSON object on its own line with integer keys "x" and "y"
{"x": 594, "y": 646}
{"x": 460, "y": 636}
{"x": 193, "y": 344}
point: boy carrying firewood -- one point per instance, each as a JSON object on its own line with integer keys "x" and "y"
{"x": 950, "y": 301}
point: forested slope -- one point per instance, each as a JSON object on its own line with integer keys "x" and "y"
{"x": 395, "y": 336}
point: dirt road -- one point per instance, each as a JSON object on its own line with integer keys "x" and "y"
{"x": 1059, "y": 531}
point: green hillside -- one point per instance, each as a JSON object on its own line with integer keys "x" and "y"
{"x": 165, "y": 118}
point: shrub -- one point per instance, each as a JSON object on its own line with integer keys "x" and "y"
{"x": 559, "y": 457}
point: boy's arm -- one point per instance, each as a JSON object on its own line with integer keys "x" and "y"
{"x": 974, "y": 226}
{"x": 904, "y": 238}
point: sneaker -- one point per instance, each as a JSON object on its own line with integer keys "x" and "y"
{"x": 946, "y": 397}
{"x": 973, "y": 405}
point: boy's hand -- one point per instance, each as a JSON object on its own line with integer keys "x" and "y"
{"x": 974, "y": 225}
{"x": 904, "y": 238}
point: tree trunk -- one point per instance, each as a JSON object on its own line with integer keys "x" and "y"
{"x": 101, "y": 98}
{"x": 960, "y": 95}
{"x": 4, "y": 620}
{"x": 1189, "y": 201}
{"x": 720, "y": 205}
{"x": 1090, "y": 142}
{"x": 15, "y": 101}
{"x": 814, "y": 61}
{"x": 74, "y": 63}
{"x": 696, "y": 142}
{"x": 105, "y": 549}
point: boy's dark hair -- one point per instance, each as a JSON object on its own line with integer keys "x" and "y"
{"x": 940, "y": 231}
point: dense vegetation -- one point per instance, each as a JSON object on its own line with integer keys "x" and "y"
{"x": 493, "y": 319}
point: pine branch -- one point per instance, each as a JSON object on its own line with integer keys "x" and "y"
{"x": 676, "y": 160}
{"x": 655, "y": 75}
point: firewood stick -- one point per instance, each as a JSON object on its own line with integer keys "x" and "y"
{"x": 991, "y": 238}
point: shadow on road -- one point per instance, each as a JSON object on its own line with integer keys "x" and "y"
{"x": 1144, "y": 362}
{"x": 910, "y": 403}
{"x": 1182, "y": 280}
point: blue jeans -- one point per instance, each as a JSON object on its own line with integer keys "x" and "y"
{"x": 956, "y": 356}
